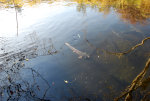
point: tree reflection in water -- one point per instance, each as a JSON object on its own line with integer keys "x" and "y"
{"x": 132, "y": 11}
{"x": 129, "y": 10}
{"x": 13, "y": 86}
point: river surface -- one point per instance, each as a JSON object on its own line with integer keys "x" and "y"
{"x": 36, "y": 64}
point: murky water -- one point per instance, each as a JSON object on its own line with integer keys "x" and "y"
{"x": 37, "y": 65}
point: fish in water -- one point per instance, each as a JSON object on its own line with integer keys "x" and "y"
{"x": 81, "y": 54}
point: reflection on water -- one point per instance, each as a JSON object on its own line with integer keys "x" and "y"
{"x": 13, "y": 85}
{"x": 129, "y": 10}
{"x": 37, "y": 65}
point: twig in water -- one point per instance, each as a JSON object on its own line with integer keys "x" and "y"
{"x": 131, "y": 49}
{"x": 135, "y": 83}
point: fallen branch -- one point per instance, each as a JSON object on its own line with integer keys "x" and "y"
{"x": 131, "y": 49}
{"x": 135, "y": 83}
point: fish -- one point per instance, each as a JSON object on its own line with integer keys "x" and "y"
{"x": 80, "y": 53}
{"x": 117, "y": 34}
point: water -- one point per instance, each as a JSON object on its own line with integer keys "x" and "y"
{"x": 36, "y": 64}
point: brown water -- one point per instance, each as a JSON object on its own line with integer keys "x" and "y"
{"x": 36, "y": 65}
